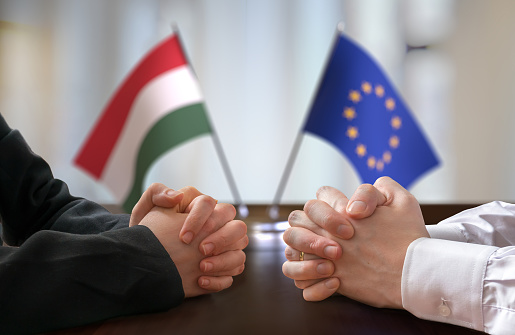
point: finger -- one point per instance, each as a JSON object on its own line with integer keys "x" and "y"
{"x": 307, "y": 270}
{"x": 305, "y": 240}
{"x": 321, "y": 290}
{"x": 389, "y": 188}
{"x": 200, "y": 210}
{"x": 230, "y": 233}
{"x": 190, "y": 193}
{"x": 322, "y": 214}
{"x": 294, "y": 255}
{"x": 222, "y": 214}
{"x": 333, "y": 197}
{"x": 156, "y": 195}
{"x": 303, "y": 284}
{"x": 215, "y": 284}
{"x": 239, "y": 245}
{"x": 364, "y": 201}
{"x": 230, "y": 263}
{"x": 299, "y": 218}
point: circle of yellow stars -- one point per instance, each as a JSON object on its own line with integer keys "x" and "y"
{"x": 373, "y": 162}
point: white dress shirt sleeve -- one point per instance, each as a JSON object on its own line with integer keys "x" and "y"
{"x": 489, "y": 224}
{"x": 465, "y": 273}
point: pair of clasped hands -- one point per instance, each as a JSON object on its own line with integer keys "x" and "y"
{"x": 200, "y": 235}
{"x": 355, "y": 247}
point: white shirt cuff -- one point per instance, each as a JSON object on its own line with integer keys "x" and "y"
{"x": 443, "y": 281}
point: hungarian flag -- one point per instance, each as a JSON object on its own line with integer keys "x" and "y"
{"x": 157, "y": 107}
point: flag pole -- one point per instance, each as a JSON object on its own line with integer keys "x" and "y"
{"x": 242, "y": 208}
{"x": 273, "y": 210}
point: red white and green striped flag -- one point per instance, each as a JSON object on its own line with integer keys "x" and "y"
{"x": 157, "y": 107}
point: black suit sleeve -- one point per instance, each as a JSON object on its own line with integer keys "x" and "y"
{"x": 76, "y": 263}
{"x": 31, "y": 199}
{"x": 59, "y": 280}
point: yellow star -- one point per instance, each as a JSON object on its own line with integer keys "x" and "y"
{"x": 371, "y": 162}
{"x": 379, "y": 91}
{"x": 387, "y": 157}
{"x": 380, "y": 165}
{"x": 394, "y": 142}
{"x": 354, "y": 96}
{"x": 352, "y": 132}
{"x": 396, "y": 122}
{"x": 390, "y": 104}
{"x": 366, "y": 87}
{"x": 361, "y": 150}
{"x": 349, "y": 113}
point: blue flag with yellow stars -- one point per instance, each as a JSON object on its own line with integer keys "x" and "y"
{"x": 359, "y": 111}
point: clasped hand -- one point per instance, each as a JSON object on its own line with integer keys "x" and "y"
{"x": 355, "y": 247}
{"x": 200, "y": 235}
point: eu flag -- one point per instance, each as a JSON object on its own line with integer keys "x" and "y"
{"x": 359, "y": 111}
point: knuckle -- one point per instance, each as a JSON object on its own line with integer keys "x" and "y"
{"x": 190, "y": 189}
{"x": 228, "y": 283}
{"x": 237, "y": 228}
{"x": 322, "y": 190}
{"x": 230, "y": 209}
{"x": 294, "y": 216}
{"x": 218, "y": 286}
{"x": 226, "y": 266}
{"x": 289, "y": 269}
{"x": 382, "y": 180}
{"x": 209, "y": 225}
{"x": 154, "y": 186}
{"x": 206, "y": 200}
{"x": 288, "y": 252}
{"x": 326, "y": 219}
{"x": 240, "y": 270}
{"x": 240, "y": 225}
{"x": 291, "y": 237}
{"x": 243, "y": 243}
{"x": 222, "y": 241}
{"x": 366, "y": 188}
{"x": 286, "y": 269}
{"x": 308, "y": 206}
{"x": 287, "y": 235}
{"x": 316, "y": 245}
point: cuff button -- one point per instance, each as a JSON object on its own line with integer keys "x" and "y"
{"x": 443, "y": 309}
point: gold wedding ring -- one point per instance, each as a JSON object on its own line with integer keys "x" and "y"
{"x": 301, "y": 256}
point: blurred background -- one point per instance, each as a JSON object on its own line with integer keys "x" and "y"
{"x": 258, "y": 63}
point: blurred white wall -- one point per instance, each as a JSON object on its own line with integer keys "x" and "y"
{"x": 258, "y": 62}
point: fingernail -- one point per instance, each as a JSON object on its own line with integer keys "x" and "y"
{"x": 208, "y": 266}
{"x": 356, "y": 207}
{"x": 331, "y": 251}
{"x": 204, "y": 282}
{"x": 208, "y": 248}
{"x": 324, "y": 269}
{"x": 171, "y": 193}
{"x": 187, "y": 237}
{"x": 332, "y": 283}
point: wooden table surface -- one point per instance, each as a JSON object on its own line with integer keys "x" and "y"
{"x": 263, "y": 301}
